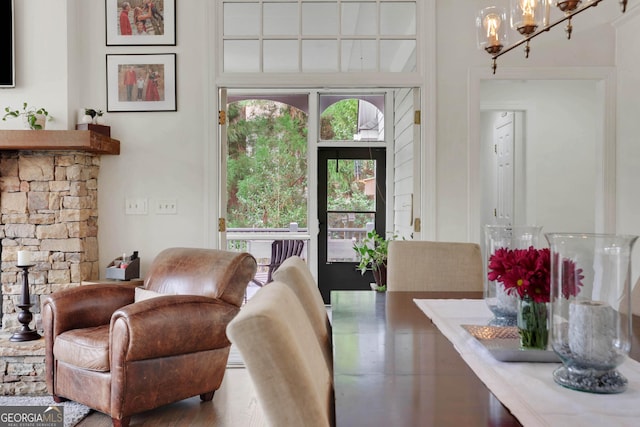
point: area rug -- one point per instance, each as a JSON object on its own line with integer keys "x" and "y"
{"x": 73, "y": 412}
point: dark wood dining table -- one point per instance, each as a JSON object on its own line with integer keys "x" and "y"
{"x": 394, "y": 368}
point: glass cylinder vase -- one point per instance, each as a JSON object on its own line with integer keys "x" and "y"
{"x": 532, "y": 324}
{"x": 590, "y": 309}
{"x": 505, "y": 306}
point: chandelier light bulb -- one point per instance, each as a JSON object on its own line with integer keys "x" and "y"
{"x": 526, "y": 15}
{"x": 492, "y": 32}
{"x": 492, "y": 24}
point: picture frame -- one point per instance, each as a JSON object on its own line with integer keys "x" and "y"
{"x": 141, "y": 82}
{"x": 7, "y": 35}
{"x": 124, "y": 28}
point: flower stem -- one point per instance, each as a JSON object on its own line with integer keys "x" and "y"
{"x": 532, "y": 324}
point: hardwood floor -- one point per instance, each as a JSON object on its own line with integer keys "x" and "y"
{"x": 234, "y": 405}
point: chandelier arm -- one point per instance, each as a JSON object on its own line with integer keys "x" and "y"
{"x": 547, "y": 28}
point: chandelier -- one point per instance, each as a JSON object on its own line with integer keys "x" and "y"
{"x": 530, "y": 18}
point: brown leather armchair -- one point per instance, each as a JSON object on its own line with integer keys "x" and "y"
{"x": 121, "y": 358}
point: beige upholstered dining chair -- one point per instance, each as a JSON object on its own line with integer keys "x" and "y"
{"x": 434, "y": 266}
{"x": 283, "y": 357}
{"x": 295, "y": 273}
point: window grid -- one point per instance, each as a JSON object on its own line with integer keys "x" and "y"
{"x": 342, "y": 39}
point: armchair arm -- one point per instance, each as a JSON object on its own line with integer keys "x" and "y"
{"x": 84, "y": 306}
{"x": 169, "y": 325}
{"x": 80, "y": 307}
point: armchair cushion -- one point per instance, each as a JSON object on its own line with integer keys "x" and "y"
{"x": 86, "y": 348}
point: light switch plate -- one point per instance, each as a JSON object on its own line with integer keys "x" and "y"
{"x": 135, "y": 206}
{"x": 166, "y": 207}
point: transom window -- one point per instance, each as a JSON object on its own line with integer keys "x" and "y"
{"x": 304, "y": 36}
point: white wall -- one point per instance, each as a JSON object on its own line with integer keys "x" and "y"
{"x": 628, "y": 129}
{"x": 41, "y": 62}
{"x": 561, "y": 131}
{"x": 457, "y": 55}
{"x": 165, "y": 154}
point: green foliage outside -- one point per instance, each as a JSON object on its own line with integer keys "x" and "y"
{"x": 339, "y": 122}
{"x": 267, "y": 165}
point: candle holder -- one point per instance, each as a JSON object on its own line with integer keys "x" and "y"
{"x": 591, "y": 309}
{"x": 505, "y": 306}
{"x": 25, "y": 317}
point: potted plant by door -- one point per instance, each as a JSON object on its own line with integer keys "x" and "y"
{"x": 373, "y": 250}
{"x": 34, "y": 118}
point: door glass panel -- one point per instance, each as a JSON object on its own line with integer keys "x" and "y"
{"x": 242, "y": 56}
{"x": 319, "y": 55}
{"x": 280, "y": 19}
{"x": 345, "y": 118}
{"x": 241, "y": 19}
{"x": 351, "y": 205}
{"x": 280, "y": 56}
{"x": 319, "y": 19}
{"x": 266, "y": 167}
{"x": 359, "y": 55}
{"x": 397, "y": 18}
{"x": 398, "y": 55}
{"x": 359, "y": 19}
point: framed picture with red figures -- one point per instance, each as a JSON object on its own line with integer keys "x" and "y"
{"x": 141, "y": 82}
{"x": 140, "y": 22}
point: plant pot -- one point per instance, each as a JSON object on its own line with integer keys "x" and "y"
{"x": 380, "y": 276}
{"x": 38, "y": 124}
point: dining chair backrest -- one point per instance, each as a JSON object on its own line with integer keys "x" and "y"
{"x": 284, "y": 359}
{"x": 295, "y": 273}
{"x": 434, "y": 266}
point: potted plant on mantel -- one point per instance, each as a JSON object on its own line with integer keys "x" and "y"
{"x": 34, "y": 118}
{"x": 373, "y": 251}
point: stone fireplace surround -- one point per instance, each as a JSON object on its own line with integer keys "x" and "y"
{"x": 48, "y": 206}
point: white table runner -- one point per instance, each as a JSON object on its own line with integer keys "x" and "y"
{"x": 528, "y": 389}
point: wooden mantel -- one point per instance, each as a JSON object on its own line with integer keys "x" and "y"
{"x": 58, "y": 140}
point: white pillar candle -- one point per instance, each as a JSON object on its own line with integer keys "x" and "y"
{"x": 592, "y": 330}
{"x": 24, "y": 258}
{"x": 506, "y": 302}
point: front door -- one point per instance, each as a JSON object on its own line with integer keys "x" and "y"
{"x": 351, "y": 202}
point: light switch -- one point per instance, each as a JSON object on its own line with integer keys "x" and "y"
{"x": 135, "y": 206}
{"x": 166, "y": 207}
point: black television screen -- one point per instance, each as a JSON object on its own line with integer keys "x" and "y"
{"x": 7, "y": 46}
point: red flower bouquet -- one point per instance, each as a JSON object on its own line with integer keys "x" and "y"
{"x": 524, "y": 271}
{"x": 527, "y": 272}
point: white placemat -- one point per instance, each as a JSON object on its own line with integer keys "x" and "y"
{"x": 528, "y": 389}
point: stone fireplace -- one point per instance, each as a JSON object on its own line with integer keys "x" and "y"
{"x": 49, "y": 207}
